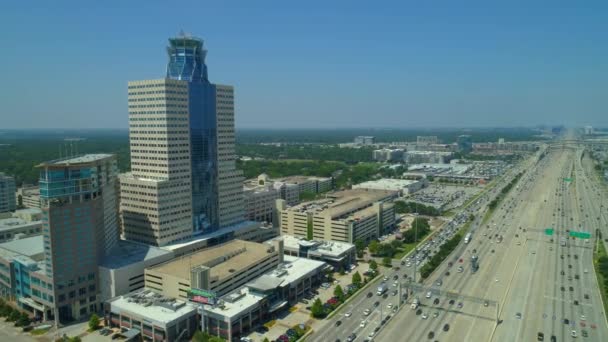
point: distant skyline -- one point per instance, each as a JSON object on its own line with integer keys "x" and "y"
{"x": 314, "y": 64}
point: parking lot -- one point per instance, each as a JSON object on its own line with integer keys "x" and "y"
{"x": 444, "y": 196}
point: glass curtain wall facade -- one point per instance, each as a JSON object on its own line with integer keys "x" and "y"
{"x": 187, "y": 62}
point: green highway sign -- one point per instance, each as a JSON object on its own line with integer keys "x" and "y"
{"x": 549, "y": 231}
{"x": 568, "y": 179}
{"x": 581, "y": 235}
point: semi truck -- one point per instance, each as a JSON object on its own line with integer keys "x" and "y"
{"x": 382, "y": 289}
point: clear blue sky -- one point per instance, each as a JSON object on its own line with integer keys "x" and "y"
{"x": 315, "y": 63}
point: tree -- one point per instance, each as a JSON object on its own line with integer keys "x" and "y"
{"x": 420, "y": 223}
{"x": 373, "y": 265}
{"x": 266, "y": 339}
{"x": 339, "y": 293}
{"x": 23, "y": 321}
{"x": 14, "y": 316}
{"x": 387, "y": 261}
{"x": 356, "y": 278}
{"x": 360, "y": 247}
{"x": 75, "y": 339}
{"x": 373, "y": 247}
{"x": 203, "y": 336}
{"x": 94, "y": 322}
{"x": 316, "y": 309}
{"x": 6, "y": 310}
{"x": 396, "y": 244}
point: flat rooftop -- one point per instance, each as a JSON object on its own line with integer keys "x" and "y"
{"x": 245, "y": 301}
{"x": 245, "y": 225}
{"x": 30, "y": 246}
{"x": 223, "y": 260}
{"x": 330, "y": 248}
{"x": 342, "y": 203}
{"x": 15, "y": 222}
{"x": 152, "y": 306}
{"x": 126, "y": 253}
{"x": 87, "y": 158}
{"x": 293, "y": 269}
{"x": 388, "y": 183}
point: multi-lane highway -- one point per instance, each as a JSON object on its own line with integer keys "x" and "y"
{"x": 538, "y": 288}
{"x": 348, "y": 320}
{"x": 532, "y": 284}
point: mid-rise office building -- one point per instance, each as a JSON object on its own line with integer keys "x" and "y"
{"x": 260, "y": 202}
{"x": 342, "y": 216}
{"x": 7, "y": 193}
{"x": 79, "y": 223}
{"x": 388, "y": 155}
{"x": 30, "y": 196}
{"x": 182, "y": 149}
{"x": 420, "y": 157}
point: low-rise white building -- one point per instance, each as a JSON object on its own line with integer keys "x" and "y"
{"x": 152, "y": 316}
{"x": 21, "y": 223}
{"x": 417, "y": 157}
{"x": 335, "y": 253}
{"x": 403, "y": 186}
{"x": 238, "y": 312}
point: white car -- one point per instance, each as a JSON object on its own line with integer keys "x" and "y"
{"x": 362, "y": 325}
{"x": 348, "y": 314}
{"x": 371, "y": 334}
{"x": 390, "y": 305}
{"x": 425, "y": 316}
{"x": 573, "y": 333}
{"x": 428, "y": 294}
{"x": 367, "y": 312}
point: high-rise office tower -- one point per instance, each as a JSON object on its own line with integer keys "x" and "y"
{"x": 78, "y": 201}
{"x": 7, "y": 193}
{"x": 183, "y": 178}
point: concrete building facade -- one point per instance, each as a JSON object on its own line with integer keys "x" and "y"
{"x": 156, "y": 196}
{"x": 30, "y": 196}
{"x": 79, "y": 221}
{"x": 344, "y": 216}
{"x": 388, "y": 155}
{"x": 182, "y": 137}
{"x": 152, "y": 316}
{"x": 220, "y": 269}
